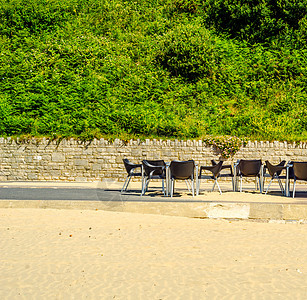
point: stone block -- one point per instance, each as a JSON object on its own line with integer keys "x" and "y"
{"x": 80, "y": 162}
{"x": 294, "y": 212}
{"x": 82, "y": 179}
{"x": 57, "y": 157}
{"x": 265, "y": 211}
{"x": 55, "y": 173}
{"x": 28, "y": 159}
{"x": 119, "y": 160}
{"x": 32, "y": 177}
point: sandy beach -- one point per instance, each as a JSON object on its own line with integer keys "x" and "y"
{"x": 88, "y": 254}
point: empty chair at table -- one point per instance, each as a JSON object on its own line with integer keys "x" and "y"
{"x": 226, "y": 171}
{"x": 274, "y": 173}
{"x": 299, "y": 172}
{"x": 153, "y": 169}
{"x": 131, "y": 170}
{"x": 182, "y": 170}
{"x": 214, "y": 174}
{"x": 249, "y": 168}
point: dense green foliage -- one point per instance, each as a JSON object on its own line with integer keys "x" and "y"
{"x": 172, "y": 68}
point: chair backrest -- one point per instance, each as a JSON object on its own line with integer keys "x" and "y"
{"x": 249, "y": 168}
{"x": 129, "y": 165}
{"x": 213, "y": 162}
{"x": 182, "y": 169}
{"x": 274, "y": 168}
{"x": 291, "y": 172}
{"x": 300, "y": 170}
{"x": 217, "y": 168}
{"x": 157, "y": 163}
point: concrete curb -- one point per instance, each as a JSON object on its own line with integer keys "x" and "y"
{"x": 212, "y": 210}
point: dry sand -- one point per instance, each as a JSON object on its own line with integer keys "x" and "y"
{"x": 73, "y": 254}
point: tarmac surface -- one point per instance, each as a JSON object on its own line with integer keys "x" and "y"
{"x": 106, "y": 195}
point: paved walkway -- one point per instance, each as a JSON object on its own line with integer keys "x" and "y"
{"x": 106, "y": 195}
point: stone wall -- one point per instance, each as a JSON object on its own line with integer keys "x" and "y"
{"x": 72, "y": 160}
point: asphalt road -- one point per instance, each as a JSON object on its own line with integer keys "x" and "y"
{"x": 81, "y": 194}
{"x": 94, "y": 194}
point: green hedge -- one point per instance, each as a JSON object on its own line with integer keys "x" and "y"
{"x": 174, "y": 68}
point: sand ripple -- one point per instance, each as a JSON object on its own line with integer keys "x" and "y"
{"x": 70, "y": 254}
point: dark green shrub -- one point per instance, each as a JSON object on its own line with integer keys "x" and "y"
{"x": 187, "y": 51}
{"x": 175, "y": 69}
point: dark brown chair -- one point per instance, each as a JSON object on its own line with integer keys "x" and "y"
{"x": 249, "y": 168}
{"x": 153, "y": 169}
{"x": 226, "y": 171}
{"x": 130, "y": 168}
{"x": 182, "y": 170}
{"x": 215, "y": 172}
{"x": 274, "y": 172}
{"x": 300, "y": 173}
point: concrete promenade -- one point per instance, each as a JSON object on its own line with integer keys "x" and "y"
{"x": 105, "y": 195}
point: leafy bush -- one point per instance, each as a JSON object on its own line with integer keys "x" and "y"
{"x": 174, "y": 69}
{"x": 187, "y": 51}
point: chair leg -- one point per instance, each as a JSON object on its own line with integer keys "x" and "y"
{"x": 147, "y": 184}
{"x": 187, "y": 184}
{"x": 172, "y": 187}
{"x": 166, "y": 184}
{"x": 192, "y": 184}
{"x": 143, "y": 176}
{"x": 128, "y": 183}
{"x": 233, "y": 184}
{"x": 280, "y": 185}
{"x": 218, "y": 186}
{"x": 124, "y": 188}
{"x": 287, "y": 184}
{"x": 268, "y": 186}
{"x": 294, "y": 187}
{"x": 260, "y": 185}
{"x": 143, "y": 185}
{"x": 213, "y": 185}
{"x": 240, "y": 184}
{"x": 197, "y": 186}
{"x": 237, "y": 183}
{"x": 163, "y": 189}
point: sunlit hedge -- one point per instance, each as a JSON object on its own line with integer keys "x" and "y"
{"x": 174, "y": 68}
